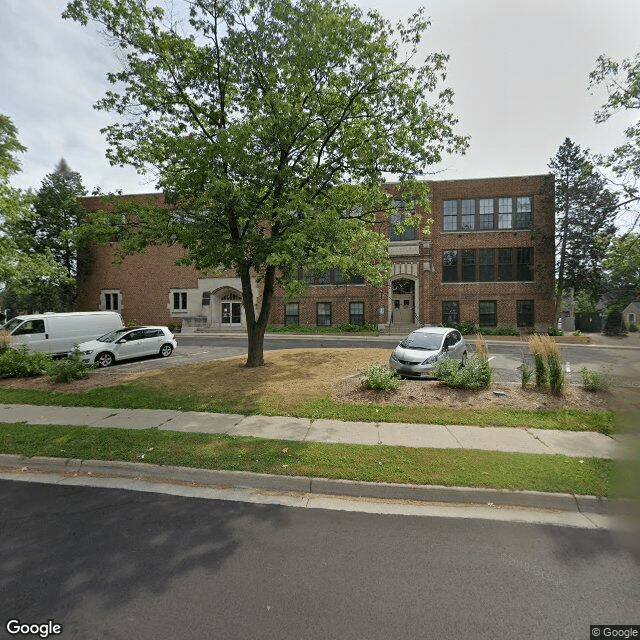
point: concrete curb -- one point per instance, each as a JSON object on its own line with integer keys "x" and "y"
{"x": 316, "y": 486}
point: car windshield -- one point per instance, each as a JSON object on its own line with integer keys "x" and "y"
{"x": 11, "y": 325}
{"x": 112, "y": 336}
{"x": 423, "y": 341}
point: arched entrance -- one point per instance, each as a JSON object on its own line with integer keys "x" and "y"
{"x": 403, "y": 301}
{"x": 225, "y": 307}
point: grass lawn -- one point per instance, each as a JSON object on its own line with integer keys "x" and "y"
{"x": 447, "y": 467}
{"x": 298, "y": 382}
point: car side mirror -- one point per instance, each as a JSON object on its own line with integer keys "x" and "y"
{"x": 121, "y": 341}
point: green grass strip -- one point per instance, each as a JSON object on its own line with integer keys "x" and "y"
{"x": 138, "y": 396}
{"x": 371, "y": 463}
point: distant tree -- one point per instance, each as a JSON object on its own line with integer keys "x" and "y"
{"x": 585, "y": 213}
{"x": 271, "y": 125}
{"x": 622, "y": 82}
{"x": 622, "y": 266}
{"x": 50, "y": 229}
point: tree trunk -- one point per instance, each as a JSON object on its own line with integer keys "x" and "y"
{"x": 256, "y": 327}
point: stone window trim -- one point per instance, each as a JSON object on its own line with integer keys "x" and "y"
{"x": 110, "y": 300}
{"x": 178, "y": 301}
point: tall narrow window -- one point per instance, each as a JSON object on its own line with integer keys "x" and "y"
{"x": 487, "y": 315}
{"x": 324, "y": 314}
{"x": 469, "y": 265}
{"x": 505, "y": 213}
{"x": 524, "y": 262}
{"x": 292, "y": 313}
{"x": 450, "y": 266}
{"x": 397, "y": 218}
{"x": 505, "y": 265}
{"x": 356, "y": 313}
{"x": 487, "y": 259}
{"x": 110, "y": 300}
{"x": 468, "y": 215}
{"x": 525, "y": 316}
{"x": 486, "y": 213}
{"x": 450, "y": 215}
{"x": 450, "y": 312}
{"x": 524, "y": 213}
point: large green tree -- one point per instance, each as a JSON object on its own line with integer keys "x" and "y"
{"x": 585, "y": 215}
{"x": 271, "y": 125}
{"x": 49, "y": 229}
{"x": 622, "y": 83}
{"x": 622, "y": 264}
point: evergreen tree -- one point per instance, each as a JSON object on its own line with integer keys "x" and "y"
{"x": 585, "y": 212}
{"x": 48, "y": 229}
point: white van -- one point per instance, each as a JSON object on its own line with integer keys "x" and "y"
{"x": 59, "y": 333}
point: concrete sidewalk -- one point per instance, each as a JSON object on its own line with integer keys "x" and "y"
{"x": 508, "y": 439}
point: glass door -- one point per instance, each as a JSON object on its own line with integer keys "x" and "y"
{"x": 231, "y": 312}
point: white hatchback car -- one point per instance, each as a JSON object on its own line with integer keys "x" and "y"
{"x": 422, "y": 349}
{"x": 123, "y": 344}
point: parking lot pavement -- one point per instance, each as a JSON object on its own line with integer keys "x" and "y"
{"x": 183, "y": 355}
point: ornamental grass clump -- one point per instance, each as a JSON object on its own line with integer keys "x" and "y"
{"x": 548, "y": 364}
{"x": 380, "y": 377}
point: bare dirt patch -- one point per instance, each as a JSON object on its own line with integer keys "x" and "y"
{"x": 292, "y": 376}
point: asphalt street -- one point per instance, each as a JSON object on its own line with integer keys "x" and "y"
{"x": 116, "y": 564}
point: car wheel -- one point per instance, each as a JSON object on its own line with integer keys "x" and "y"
{"x": 166, "y": 350}
{"x": 463, "y": 362}
{"x": 104, "y": 359}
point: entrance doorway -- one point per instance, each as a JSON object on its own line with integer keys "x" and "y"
{"x": 403, "y": 301}
{"x": 231, "y": 312}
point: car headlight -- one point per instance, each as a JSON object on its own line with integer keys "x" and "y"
{"x": 431, "y": 360}
{"x": 87, "y": 353}
{"x": 394, "y": 358}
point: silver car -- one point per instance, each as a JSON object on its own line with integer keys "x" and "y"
{"x": 423, "y": 348}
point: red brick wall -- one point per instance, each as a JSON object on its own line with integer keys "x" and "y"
{"x": 145, "y": 280}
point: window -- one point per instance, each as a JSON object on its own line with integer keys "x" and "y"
{"x": 179, "y": 300}
{"x": 450, "y": 312}
{"x": 486, "y": 213}
{"x": 468, "y": 215}
{"x": 468, "y": 265}
{"x": 524, "y": 264}
{"x": 324, "y": 314}
{"x": 525, "y": 317}
{"x": 505, "y": 213}
{"x": 30, "y": 327}
{"x": 505, "y": 265}
{"x": 487, "y": 316}
{"x": 206, "y": 298}
{"x": 111, "y": 300}
{"x": 397, "y": 218}
{"x": 332, "y": 276}
{"x": 450, "y": 266}
{"x": 450, "y": 215}
{"x": 487, "y": 265}
{"x": 292, "y": 313}
{"x": 524, "y": 213}
{"x": 356, "y": 313}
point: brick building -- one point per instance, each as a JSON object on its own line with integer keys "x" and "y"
{"x": 489, "y": 258}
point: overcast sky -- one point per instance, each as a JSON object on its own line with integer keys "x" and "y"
{"x": 519, "y": 70}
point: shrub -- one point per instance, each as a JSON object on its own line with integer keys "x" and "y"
{"x": 577, "y": 333}
{"x": 614, "y": 324}
{"x": 347, "y": 327}
{"x": 380, "y": 377}
{"x": 501, "y": 331}
{"x": 23, "y": 363}
{"x": 593, "y": 381}
{"x": 466, "y": 327}
{"x": 132, "y": 323}
{"x": 476, "y": 374}
{"x": 633, "y": 327}
{"x": 552, "y": 331}
{"x": 69, "y": 369}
